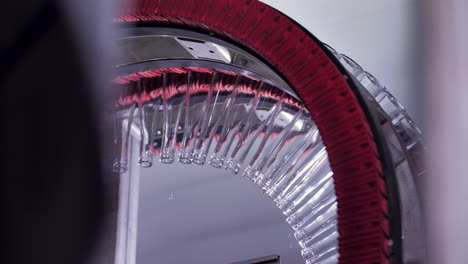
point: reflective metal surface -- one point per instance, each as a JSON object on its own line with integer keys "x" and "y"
{"x": 190, "y": 49}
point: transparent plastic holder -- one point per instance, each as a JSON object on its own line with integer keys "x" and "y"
{"x": 332, "y": 51}
{"x": 408, "y": 131}
{"x": 351, "y": 66}
{"x": 372, "y": 85}
{"x": 392, "y": 107}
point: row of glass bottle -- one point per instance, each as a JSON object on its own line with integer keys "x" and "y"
{"x": 249, "y": 128}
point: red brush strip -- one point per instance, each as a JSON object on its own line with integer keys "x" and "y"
{"x": 243, "y": 85}
{"x": 324, "y": 91}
